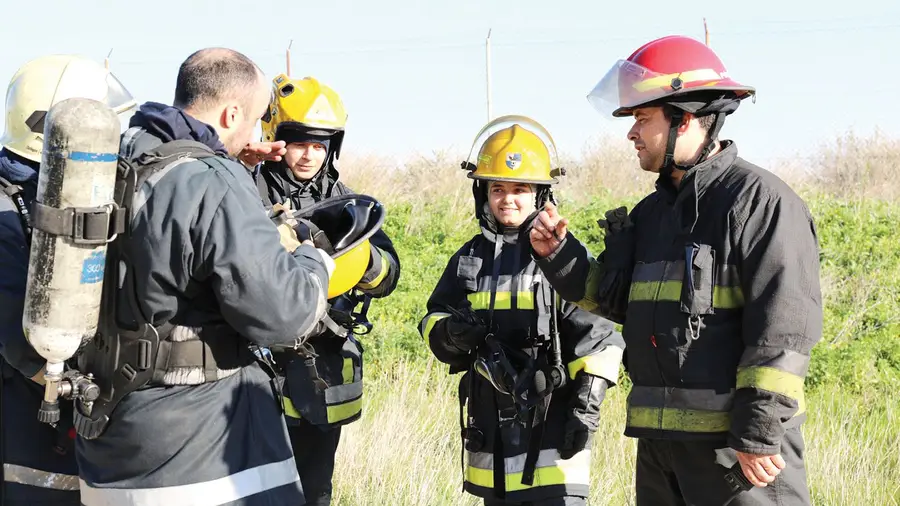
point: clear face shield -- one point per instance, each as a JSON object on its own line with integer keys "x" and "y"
{"x": 507, "y": 121}
{"x": 89, "y": 81}
{"x": 628, "y": 85}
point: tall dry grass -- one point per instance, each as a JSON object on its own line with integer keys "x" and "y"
{"x": 405, "y": 449}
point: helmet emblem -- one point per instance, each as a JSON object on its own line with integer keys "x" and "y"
{"x": 513, "y": 160}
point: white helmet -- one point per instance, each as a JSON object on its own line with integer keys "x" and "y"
{"x": 46, "y": 81}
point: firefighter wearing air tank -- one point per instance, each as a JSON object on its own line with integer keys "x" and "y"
{"x": 715, "y": 276}
{"x": 323, "y": 389}
{"x": 57, "y": 305}
{"x": 536, "y": 369}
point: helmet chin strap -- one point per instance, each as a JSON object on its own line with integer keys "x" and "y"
{"x": 669, "y": 164}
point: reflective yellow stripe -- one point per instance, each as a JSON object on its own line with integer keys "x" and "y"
{"x": 430, "y": 321}
{"x": 336, "y": 413}
{"x": 289, "y": 408}
{"x": 347, "y": 370}
{"x": 482, "y": 300}
{"x": 772, "y": 380}
{"x": 683, "y": 420}
{"x": 383, "y": 268}
{"x": 592, "y": 286}
{"x": 728, "y": 297}
{"x": 724, "y": 297}
{"x": 604, "y": 364}
{"x": 655, "y": 290}
{"x": 550, "y": 469}
{"x": 665, "y": 81}
{"x": 543, "y": 476}
{"x": 341, "y": 412}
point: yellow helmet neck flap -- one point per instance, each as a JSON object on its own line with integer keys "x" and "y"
{"x": 342, "y": 226}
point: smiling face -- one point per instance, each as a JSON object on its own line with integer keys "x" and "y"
{"x": 511, "y": 203}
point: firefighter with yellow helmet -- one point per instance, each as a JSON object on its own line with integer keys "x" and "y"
{"x": 39, "y": 464}
{"x": 536, "y": 368}
{"x": 322, "y": 381}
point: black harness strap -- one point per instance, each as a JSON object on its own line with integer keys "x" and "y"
{"x": 14, "y": 192}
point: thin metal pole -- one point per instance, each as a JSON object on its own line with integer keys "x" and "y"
{"x": 487, "y": 61}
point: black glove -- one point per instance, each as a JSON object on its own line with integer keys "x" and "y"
{"x": 588, "y": 392}
{"x": 619, "y": 239}
{"x": 465, "y": 330}
{"x": 454, "y": 337}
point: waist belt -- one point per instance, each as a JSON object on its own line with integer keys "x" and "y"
{"x": 167, "y": 355}
{"x": 219, "y": 354}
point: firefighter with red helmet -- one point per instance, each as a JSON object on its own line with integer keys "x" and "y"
{"x": 715, "y": 277}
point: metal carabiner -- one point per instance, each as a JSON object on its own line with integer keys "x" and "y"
{"x": 694, "y": 323}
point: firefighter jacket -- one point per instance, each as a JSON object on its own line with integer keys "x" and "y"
{"x": 496, "y": 449}
{"x": 39, "y": 464}
{"x": 720, "y": 278}
{"x": 203, "y": 256}
{"x": 338, "y": 361}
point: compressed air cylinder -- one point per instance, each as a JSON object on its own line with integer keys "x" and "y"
{"x": 65, "y": 273}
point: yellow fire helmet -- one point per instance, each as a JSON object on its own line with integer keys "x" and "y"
{"x": 342, "y": 226}
{"x": 48, "y": 80}
{"x": 307, "y": 106}
{"x": 514, "y": 148}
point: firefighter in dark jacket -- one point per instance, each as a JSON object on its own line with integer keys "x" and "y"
{"x": 535, "y": 376}
{"x": 39, "y": 466}
{"x": 310, "y": 118}
{"x": 715, "y": 276}
{"x": 210, "y": 278}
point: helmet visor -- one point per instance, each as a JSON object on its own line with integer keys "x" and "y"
{"x": 506, "y": 122}
{"x": 628, "y": 85}
{"x": 118, "y": 98}
{"x": 80, "y": 81}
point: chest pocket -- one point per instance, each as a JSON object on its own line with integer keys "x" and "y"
{"x": 699, "y": 280}
{"x": 467, "y": 273}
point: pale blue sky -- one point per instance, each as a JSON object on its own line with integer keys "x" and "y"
{"x": 412, "y": 73}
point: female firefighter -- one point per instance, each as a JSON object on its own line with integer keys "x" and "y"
{"x": 322, "y": 391}
{"x": 534, "y": 376}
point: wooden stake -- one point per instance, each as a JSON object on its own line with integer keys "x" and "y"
{"x": 706, "y": 31}
{"x": 287, "y": 56}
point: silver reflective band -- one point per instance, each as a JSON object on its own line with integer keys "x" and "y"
{"x": 516, "y": 464}
{"x": 207, "y": 493}
{"x": 37, "y": 478}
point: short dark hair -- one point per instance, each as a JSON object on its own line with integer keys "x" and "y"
{"x": 706, "y": 121}
{"x": 213, "y": 74}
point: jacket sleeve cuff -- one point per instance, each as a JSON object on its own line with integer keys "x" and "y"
{"x": 562, "y": 268}
{"x": 604, "y": 364}
{"x": 753, "y": 447}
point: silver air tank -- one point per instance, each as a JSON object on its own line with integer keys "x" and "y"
{"x": 73, "y": 220}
